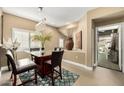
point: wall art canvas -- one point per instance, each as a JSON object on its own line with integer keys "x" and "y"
{"x": 78, "y": 40}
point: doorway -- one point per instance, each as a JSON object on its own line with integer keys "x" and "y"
{"x": 108, "y": 45}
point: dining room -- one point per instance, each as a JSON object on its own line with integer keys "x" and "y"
{"x": 50, "y": 46}
{"x": 27, "y": 45}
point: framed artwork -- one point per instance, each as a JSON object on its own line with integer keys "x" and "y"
{"x": 78, "y": 40}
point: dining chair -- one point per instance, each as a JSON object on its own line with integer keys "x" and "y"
{"x": 12, "y": 55}
{"x": 53, "y": 63}
{"x": 21, "y": 66}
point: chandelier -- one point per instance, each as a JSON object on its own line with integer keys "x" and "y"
{"x": 41, "y": 26}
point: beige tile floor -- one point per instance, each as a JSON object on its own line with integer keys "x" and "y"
{"x": 99, "y": 76}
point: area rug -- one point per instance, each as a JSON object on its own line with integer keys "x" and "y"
{"x": 68, "y": 79}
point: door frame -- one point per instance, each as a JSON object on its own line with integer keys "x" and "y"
{"x": 107, "y": 27}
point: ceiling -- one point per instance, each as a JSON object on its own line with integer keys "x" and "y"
{"x": 56, "y": 16}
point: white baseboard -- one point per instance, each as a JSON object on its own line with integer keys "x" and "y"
{"x": 4, "y": 68}
{"x": 95, "y": 64}
{"x": 77, "y": 64}
{"x": 122, "y": 70}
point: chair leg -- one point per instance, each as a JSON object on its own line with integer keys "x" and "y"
{"x": 52, "y": 81}
{"x": 11, "y": 76}
{"x": 8, "y": 64}
{"x": 14, "y": 82}
{"x": 52, "y": 77}
{"x": 35, "y": 76}
{"x": 60, "y": 70}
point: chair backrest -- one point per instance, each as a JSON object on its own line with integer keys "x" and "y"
{"x": 10, "y": 58}
{"x": 10, "y": 51}
{"x": 56, "y": 58}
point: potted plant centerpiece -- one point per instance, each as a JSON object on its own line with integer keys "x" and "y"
{"x": 43, "y": 37}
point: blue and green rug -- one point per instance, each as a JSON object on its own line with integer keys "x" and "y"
{"x": 68, "y": 79}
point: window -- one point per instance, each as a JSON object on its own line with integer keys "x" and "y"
{"x": 22, "y": 36}
{"x": 34, "y": 44}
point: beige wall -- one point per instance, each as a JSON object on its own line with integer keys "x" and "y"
{"x": 109, "y": 21}
{"x": 77, "y": 56}
{"x": 83, "y": 26}
{"x": 74, "y": 56}
{"x": 10, "y": 21}
{"x": 87, "y": 25}
{"x": 54, "y": 42}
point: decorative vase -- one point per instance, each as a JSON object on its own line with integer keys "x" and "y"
{"x": 69, "y": 43}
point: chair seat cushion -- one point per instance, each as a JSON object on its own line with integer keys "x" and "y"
{"x": 25, "y": 65}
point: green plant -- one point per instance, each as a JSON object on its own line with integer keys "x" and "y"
{"x": 42, "y": 38}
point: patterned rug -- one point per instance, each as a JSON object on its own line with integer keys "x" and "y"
{"x": 68, "y": 79}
